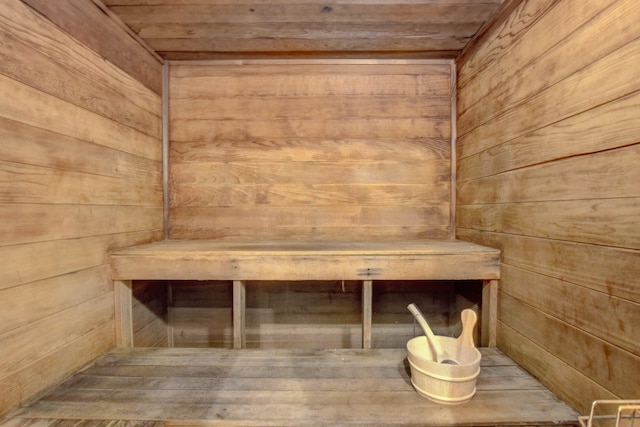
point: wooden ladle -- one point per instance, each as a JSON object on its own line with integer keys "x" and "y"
{"x": 431, "y": 338}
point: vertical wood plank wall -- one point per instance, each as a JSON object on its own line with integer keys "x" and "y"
{"x": 548, "y": 155}
{"x": 296, "y": 150}
{"x": 80, "y": 172}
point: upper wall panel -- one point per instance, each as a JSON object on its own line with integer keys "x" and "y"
{"x": 312, "y": 150}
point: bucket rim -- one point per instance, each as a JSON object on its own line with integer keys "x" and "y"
{"x": 445, "y": 378}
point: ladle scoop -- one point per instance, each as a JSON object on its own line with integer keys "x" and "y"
{"x": 431, "y": 338}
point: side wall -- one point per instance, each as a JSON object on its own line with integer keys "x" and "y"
{"x": 294, "y": 150}
{"x": 80, "y": 173}
{"x": 549, "y": 171}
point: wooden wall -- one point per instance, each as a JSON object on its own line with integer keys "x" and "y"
{"x": 307, "y": 314}
{"x": 80, "y": 172}
{"x": 549, "y": 171}
{"x": 149, "y": 312}
{"x": 310, "y": 150}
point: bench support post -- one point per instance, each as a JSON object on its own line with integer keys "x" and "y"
{"x": 123, "y": 293}
{"x": 367, "y": 312}
{"x": 239, "y": 304}
{"x": 489, "y": 313}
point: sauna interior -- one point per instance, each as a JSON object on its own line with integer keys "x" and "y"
{"x": 512, "y": 125}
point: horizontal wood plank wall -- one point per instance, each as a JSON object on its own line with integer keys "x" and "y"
{"x": 548, "y": 171}
{"x": 308, "y": 314}
{"x": 80, "y": 173}
{"x": 149, "y": 313}
{"x": 294, "y": 150}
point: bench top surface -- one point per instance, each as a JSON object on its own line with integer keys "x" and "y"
{"x": 299, "y": 260}
{"x": 398, "y": 247}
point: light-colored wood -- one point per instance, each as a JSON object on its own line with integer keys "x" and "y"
{"x": 276, "y": 260}
{"x": 614, "y": 120}
{"x": 29, "y": 223}
{"x": 80, "y": 74}
{"x": 199, "y": 30}
{"x": 289, "y": 387}
{"x": 367, "y": 312}
{"x": 610, "y": 222}
{"x": 170, "y": 316}
{"x": 310, "y": 150}
{"x": 149, "y": 315}
{"x": 574, "y": 55}
{"x": 61, "y": 257}
{"x": 489, "y": 313}
{"x": 532, "y": 323}
{"x": 123, "y": 312}
{"x": 165, "y": 147}
{"x": 547, "y": 294}
{"x": 87, "y": 22}
{"x": 239, "y": 314}
{"x": 609, "y": 272}
{"x": 570, "y": 96}
{"x": 314, "y": 314}
{"x": 454, "y": 165}
{"x": 535, "y": 182}
{"x": 43, "y": 298}
{"x": 80, "y": 172}
{"x": 55, "y": 367}
{"x": 538, "y": 106}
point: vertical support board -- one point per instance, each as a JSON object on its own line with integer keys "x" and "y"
{"x": 123, "y": 292}
{"x": 489, "y": 312}
{"x": 367, "y": 312}
{"x": 165, "y": 146}
{"x": 239, "y": 303}
{"x": 170, "y": 316}
{"x": 452, "y": 200}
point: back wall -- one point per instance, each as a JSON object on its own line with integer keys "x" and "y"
{"x": 310, "y": 150}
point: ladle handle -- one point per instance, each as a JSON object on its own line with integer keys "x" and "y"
{"x": 417, "y": 314}
{"x": 469, "y": 319}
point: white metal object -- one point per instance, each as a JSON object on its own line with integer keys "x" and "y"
{"x": 612, "y": 413}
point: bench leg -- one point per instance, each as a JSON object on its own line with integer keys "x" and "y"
{"x": 489, "y": 313}
{"x": 367, "y": 312}
{"x": 239, "y": 303}
{"x": 170, "y": 320}
{"x": 123, "y": 312}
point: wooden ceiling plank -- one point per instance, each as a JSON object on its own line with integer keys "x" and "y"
{"x": 303, "y": 45}
{"x": 308, "y": 30}
{"x": 348, "y": 13}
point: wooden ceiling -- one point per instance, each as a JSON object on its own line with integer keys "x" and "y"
{"x": 229, "y": 29}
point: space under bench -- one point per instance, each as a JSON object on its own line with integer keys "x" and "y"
{"x": 366, "y": 262}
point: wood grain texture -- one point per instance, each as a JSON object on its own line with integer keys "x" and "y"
{"x": 88, "y": 23}
{"x": 309, "y": 150}
{"x": 312, "y": 314}
{"x": 190, "y": 30}
{"x": 80, "y": 174}
{"x": 547, "y": 153}
{"x": 274, "y": 260}
{"x": 289, "y": 387}
{"x": 149, "y": 314}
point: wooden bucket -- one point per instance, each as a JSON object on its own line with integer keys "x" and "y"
{"x": 444, "y": 383}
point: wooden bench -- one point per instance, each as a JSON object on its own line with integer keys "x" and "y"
{"x": 294, "y": 260}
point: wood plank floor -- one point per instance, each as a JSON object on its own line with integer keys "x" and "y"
{"x": 211, "y": 387}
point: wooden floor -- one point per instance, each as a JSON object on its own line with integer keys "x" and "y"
{"x": 210, "y": 387}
